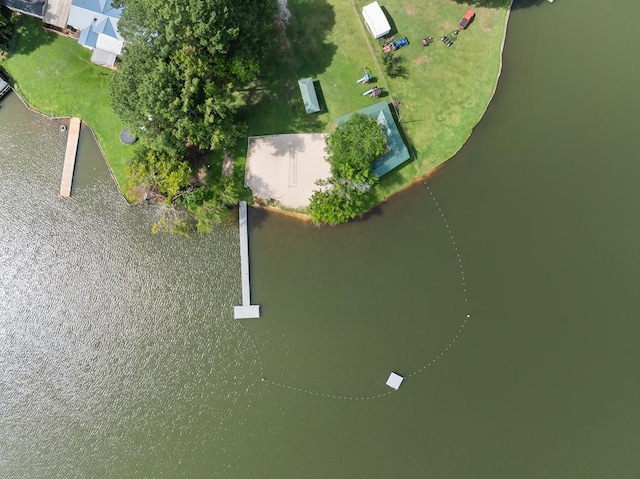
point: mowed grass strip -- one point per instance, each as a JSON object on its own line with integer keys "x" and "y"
{"x": 54, "y": 75}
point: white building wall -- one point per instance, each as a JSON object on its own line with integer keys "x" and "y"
{"x": 110, "y": 44}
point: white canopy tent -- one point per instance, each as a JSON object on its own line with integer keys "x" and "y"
{"x": 376, "y": 20}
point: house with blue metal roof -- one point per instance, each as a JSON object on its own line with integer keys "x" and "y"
{"x": 397, "y": 152}
{"x": 97, "y": 22}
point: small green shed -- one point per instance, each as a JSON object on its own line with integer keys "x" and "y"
{"x": 309, "y": 97}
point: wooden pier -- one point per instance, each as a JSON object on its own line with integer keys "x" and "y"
{"x": 70, "y": 157}
{"x": 247, "y": 310}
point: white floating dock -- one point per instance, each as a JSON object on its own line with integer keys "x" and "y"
{"x": 394, "y": 381}
{"x": 247, "y": 310}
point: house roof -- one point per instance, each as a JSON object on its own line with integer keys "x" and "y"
{"x": 398, "y": 152}
{"x": 309, "y": 97}
{"x": 88, "y": 37}
{"x": 106, "y": 27}
{"x": 35, "y": 8}
{"x": 98, "y": 6}
{"x": 56, "y": 12}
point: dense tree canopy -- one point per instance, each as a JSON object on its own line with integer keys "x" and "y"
{"x": 186, "y": 200}
{"x": 351, "y": 148}
{"x": 185, "y": 66}
{"x": 6, "y": 28}
{"x": 183, "y": 76}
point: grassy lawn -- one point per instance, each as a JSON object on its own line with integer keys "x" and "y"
{"x": 54, "y": 75}
{"x": 326, "y": 43}
{"x": 443, "y": 95}
{"x": 446, "y": 90}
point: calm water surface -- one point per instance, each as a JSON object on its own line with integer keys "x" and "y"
{"x": 506, "y": 289}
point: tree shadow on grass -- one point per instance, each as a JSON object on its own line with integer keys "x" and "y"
{"x": 501, "y": 3}
{"x": 394, "y": 29}
{"x": 320, "y": 94}
{"x": 29, "y": 36}
{"x": 300, "y": 52}
{"x": 308, "y": 28}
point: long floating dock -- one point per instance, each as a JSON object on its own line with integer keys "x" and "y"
{"x": 247, "y": 310}
{"x": 70, "y": 157}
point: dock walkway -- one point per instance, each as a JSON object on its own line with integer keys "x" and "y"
{"x": 247, "y": 310}
{"x": 70, "y": 157}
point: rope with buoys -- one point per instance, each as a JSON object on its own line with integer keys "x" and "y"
{"x": 443, "y": 351}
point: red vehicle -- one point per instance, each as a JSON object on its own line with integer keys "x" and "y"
{"x": 466, "y": 19}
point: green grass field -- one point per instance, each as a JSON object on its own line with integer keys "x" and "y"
{"x": 443, "y": 95}
{"x": 55, "y": 75}
{"x": 446, "y": 90}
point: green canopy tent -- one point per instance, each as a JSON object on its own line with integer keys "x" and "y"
{"x": 309, "y": 97}
{"x": 397, "y": 152}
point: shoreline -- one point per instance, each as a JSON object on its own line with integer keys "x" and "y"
{"x": 66, "y": 119}
{"x": 408, "y": 182}
{"x": 435, "y": 169}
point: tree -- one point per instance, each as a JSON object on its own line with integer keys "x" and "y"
{"x": 338, "y": 203}
{"x": 351, "y": 148}
{"x": 210, "y": 205}
{"x": 184, "y": 67}
{"x": 182, "y": 79}
{"x": 6, "y": 28}
{"x": 157, "y": 173}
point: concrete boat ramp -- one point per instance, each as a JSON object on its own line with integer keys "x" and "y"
{"x": 246, "y": 310}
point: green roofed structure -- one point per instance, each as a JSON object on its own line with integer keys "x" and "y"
{"x": 309, "y": 97}
{"x": 397, "y": 152}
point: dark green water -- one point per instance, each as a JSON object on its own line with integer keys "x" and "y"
{"x": 119, "y": 356}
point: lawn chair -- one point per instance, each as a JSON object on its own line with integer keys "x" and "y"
{"x": 373, "y": 92}
{"x": 427, "y": 41}
{"x": 366, "y": 78}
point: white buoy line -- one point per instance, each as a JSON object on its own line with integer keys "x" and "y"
{"x": 430, "y": 363}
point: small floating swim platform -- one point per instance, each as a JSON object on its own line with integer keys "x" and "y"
{"x": 394, "y": 381}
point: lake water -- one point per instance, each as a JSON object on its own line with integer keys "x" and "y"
{"x": 505, "y": 289}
